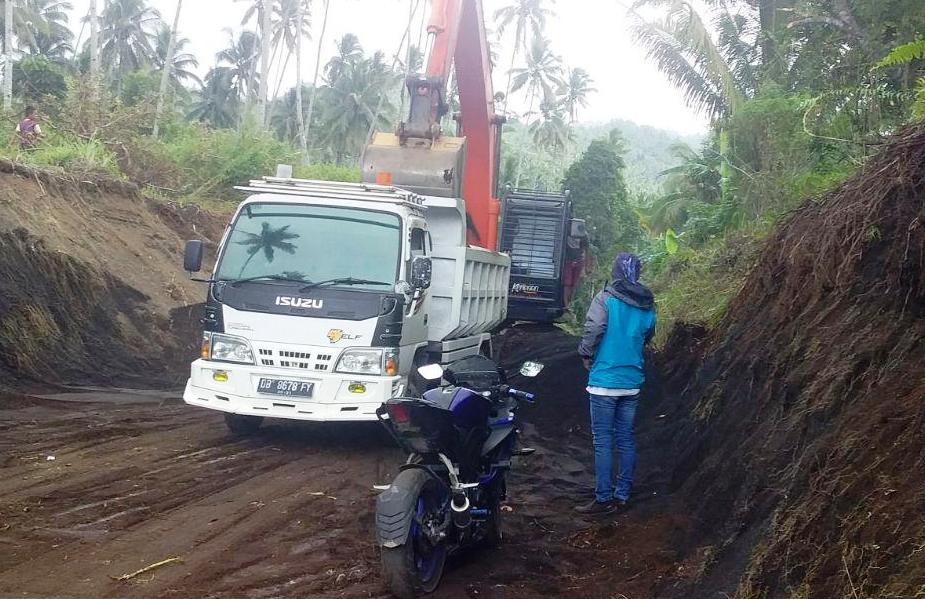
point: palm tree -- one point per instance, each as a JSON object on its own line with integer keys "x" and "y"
{"x": 285, "y": 119}
{"x": 351, "y": 101}
{"x": 299, "y": 85}
{"x": 542, "y": 72}
{"x": 349, "y": 52}
{"x": 716, "y": 77}
{"x": 578, "y": 86}
{"x": 240, "y": 59}
{"x": 167, "y": 64}
{"x": 695, "y": 181}
{"x": 264, "y": 11}
{"x": 289, "y": 27}
{"x": 184, "y": 64}
{"x": 128, "y": 33}
{"x": 94, "y": 43}
{"x": 49, "y": 34}
{"x": 218, "y": 102}
{"x": 267, "y": 241}
{"x": 528, "y": 16}
{"x": 713, "y": 77}
{"x": 551, "y": 130}
{"x": 314, "y": 93}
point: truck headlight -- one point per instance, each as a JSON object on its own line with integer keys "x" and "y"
{"x": 226, "y": 348}
{"x": 372, "y": 361}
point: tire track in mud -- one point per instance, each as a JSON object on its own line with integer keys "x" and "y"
{"x": 171, "y": 480}
{"x": 288, "y": 512}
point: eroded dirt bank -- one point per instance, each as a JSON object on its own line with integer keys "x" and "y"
{"x": 797, "y": 426}
{"x": 91, "y": 282}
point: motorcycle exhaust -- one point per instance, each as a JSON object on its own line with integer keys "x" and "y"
{"x": 460, "y": 508}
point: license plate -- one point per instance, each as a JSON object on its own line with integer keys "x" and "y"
{"x": 285, "y": 388}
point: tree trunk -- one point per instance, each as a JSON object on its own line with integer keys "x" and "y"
{"x": 520, "y": 166}
{"x": 767, "y": 18}
{"x": 168, "y": 66}
{"x": 8, "y": 56}
{"x": 510, "y": 71}
{"x": 725, "y": 145}
{"x": 314, "y": 92}
{"x": 282, "y": 75}
{"x": 266, "y": 36}
{"x": 300, "y": 115}
{"x": 94, "y": 44}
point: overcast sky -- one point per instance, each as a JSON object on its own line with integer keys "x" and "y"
{"x": 592, "y": 34}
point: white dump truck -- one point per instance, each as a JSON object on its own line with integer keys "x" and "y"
{"x": 326, "y": 296}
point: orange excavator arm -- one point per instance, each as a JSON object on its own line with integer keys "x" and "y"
{"x": 422, "y": 156}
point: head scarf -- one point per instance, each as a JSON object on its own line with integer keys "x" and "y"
{"x": 626, "y": 286}
{"x": 626, "y": 267}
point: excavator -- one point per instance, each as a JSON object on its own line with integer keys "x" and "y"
{"x": 548, "y": 247}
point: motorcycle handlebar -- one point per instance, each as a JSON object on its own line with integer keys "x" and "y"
{"x": 520, "y": 395}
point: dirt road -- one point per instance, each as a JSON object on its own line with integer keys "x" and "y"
{"x": 98, "y": 484}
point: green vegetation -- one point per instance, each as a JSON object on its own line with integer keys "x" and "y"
{"x": 799, "y": 92}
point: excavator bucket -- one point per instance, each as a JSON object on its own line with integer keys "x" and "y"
{"x": 433, "y": 168}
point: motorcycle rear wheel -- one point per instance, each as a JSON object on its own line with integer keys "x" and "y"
{"x": 415, "y": 568}
{"x": 493, "y": 532}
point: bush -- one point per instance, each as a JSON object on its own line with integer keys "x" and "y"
{"x": 696, "y": 284}
{"x": 74, "y": 156}
{"x": 38, "y": 80}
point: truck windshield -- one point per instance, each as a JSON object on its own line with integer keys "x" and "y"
{"x": 312, "y": 243}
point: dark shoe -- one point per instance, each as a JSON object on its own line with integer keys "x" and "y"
{"x": 597, "y": 508}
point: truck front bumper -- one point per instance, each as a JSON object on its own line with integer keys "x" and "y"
{"x": 335, "y": 397}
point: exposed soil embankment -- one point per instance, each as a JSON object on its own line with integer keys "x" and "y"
{"x": 799, "y": 431}
{"x": 91, "y": 282}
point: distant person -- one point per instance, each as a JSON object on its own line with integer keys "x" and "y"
{"x": 28, "y": 130}
{"x": 621, "y": 320}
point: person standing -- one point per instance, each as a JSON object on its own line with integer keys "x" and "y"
{"x": 28, "y": 130}
{"x": 620, "y": 322}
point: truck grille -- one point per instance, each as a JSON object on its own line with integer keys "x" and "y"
{"x": 299, "y": 360}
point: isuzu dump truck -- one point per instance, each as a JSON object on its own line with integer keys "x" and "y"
{"x": 326, "y": 296}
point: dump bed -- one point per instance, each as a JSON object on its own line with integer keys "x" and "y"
{"x": 469, "y": 293}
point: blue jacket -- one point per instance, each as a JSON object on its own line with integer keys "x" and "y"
{"x": 616, "y": 331}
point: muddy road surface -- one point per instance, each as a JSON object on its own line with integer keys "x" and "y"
{"x": 98, "y": 484}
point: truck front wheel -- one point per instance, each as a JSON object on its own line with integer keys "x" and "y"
{"x": 243, "y": 425}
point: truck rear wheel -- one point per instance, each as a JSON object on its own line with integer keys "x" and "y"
{"x": 243, "y": 425}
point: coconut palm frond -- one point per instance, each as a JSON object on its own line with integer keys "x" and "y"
{"x": 669, "y": 56}
{"x": 686, "y": 25}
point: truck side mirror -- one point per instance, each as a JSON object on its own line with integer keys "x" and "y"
{"x": 578, "y": 228}
{"x": 421, "y": 272}
{"x": 192, "y": 256}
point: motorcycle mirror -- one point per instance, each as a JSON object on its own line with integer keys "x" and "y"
{"x": 531, "y": 369}
{"x": 431, "y": 372}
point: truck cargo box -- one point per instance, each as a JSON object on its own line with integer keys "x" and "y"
{"x": 469, "y": 293}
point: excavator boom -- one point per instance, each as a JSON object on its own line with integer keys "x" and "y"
{"x": 419, "y": 156}
{"x": 547, "y": 246}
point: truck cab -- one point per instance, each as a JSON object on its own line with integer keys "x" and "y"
{"x": 324, "y": 295}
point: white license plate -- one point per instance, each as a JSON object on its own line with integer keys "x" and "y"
{"x": 285, "y": 388}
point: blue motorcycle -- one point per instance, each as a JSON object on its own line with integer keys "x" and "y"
{"x": 460, "y": 438}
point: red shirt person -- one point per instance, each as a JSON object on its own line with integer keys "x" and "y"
{"x": 28, "y": 130}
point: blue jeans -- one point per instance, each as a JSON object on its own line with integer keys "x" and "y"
{"x": 612, "y": 427}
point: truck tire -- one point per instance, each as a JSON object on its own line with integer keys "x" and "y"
{"x": 414, "y": 568}
{"x": 243, "y": 426}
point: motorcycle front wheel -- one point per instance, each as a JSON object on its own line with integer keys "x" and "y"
{"x": 414, "y": 568}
